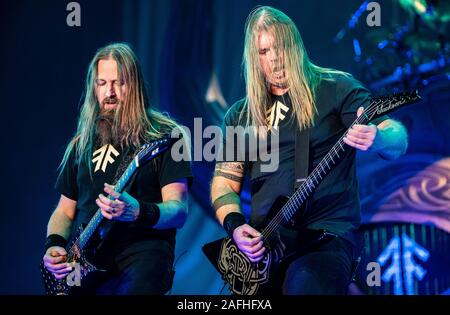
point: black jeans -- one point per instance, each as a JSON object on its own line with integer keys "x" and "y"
{"x": 146, "y": 272}
{"x": 141, "y": 269}
{"x": 326, "y": 269}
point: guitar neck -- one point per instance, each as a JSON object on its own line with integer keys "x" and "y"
{"x": 98, "y": 217}
{"x": 148, "y": 152}
{"x": 309, "y": 185}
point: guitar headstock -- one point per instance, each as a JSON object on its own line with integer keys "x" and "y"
{"x": 385, "y": 104}
{"x": 150, "y": 150}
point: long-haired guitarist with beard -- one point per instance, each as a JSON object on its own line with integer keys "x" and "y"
{"x": 136, "y": 246}
{"x": 286, "y": 92}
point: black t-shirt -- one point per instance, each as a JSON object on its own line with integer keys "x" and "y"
{"x": 335, "y": 203}
{"x": 76, "y": 183}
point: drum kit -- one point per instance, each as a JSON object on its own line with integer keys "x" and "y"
{"x": 408, "y": 50}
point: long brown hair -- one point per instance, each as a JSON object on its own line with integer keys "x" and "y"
{"x": 134, "y": 121}
{"x": 303, "y": 76}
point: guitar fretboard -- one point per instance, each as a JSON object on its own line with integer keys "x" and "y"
{"x": 98, "y": 217}
{"x": 148, "y": 152}
{"x": 377, "y": 107}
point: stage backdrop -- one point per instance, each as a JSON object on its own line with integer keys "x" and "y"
{"x": 191, "y": 54}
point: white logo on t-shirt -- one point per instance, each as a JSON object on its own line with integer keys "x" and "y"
{"x": 276, "y": 114}
{"x": 103, "y": 156}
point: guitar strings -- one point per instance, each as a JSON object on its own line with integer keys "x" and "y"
{"x": 298, "y": 194}
{"x": 96, "y": 218}
{"x": 273, "y": 225}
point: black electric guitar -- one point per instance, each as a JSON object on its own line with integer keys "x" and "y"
{"x": 247, "y": 278}
{"x": 76, "y": 249}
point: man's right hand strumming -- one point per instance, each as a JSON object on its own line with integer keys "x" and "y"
{"x": 55, "y": 261}
{"x": 250, "y": 242}
{"x": 225, "y": 190}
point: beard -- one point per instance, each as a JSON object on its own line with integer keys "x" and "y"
{"x": 104, "y": 127}
{"x": 105, "y": 130}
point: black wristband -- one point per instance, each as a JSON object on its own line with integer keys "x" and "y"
{"x": 55, "y": 240}
{"x": 149, "y": 213}
{"x": 231, "y": 221}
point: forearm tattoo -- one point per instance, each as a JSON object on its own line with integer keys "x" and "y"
{"x": 231, "y": 166}
{"x": 228, "y": 176}
{"x": 227, "y": 199}
{"x": 233, "y": 171}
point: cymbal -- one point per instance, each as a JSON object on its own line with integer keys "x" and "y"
{"x": 437, "y": 10}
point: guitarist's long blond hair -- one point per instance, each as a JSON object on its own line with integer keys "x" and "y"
{"x": 303, "y": 76}
{"x": 134, "y": 122}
